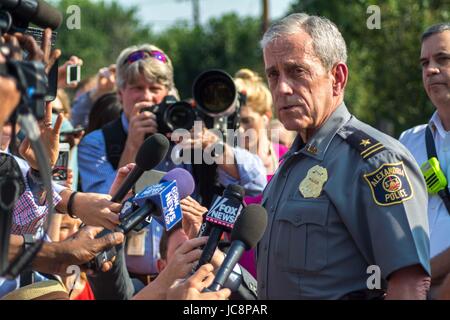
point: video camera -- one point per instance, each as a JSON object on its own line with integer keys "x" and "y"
{"x": 217, "y": 104}
{"x": 32, "y": 81}
{"x": 16, "y": 15}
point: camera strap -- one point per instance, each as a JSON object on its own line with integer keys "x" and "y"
{"x": 444, "y": 194}
{"x": 115, "y": 140}
{"x": 12, "y": 186}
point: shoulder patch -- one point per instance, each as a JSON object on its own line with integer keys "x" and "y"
{"x": 365, "y": 144}
{"x": 389, "y": 184}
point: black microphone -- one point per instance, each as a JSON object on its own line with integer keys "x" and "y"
{"x": 47, "y": 16}
{"x": 38, "y": 12}
{"x": 248, "y": 230}
{"x": 150, "y": 154}
{"x": 235, "y": 190}
{"x": 221, "y": 217}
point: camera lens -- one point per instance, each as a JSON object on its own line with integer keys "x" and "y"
{"x": 215, "y": 93}
{"x": 216, "y": 96}
{"x": 180, "y": 115}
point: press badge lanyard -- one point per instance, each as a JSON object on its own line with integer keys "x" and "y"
{"x": 434, "y": 176}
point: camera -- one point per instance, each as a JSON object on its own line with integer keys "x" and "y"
{"x": 35, "y": 86}
{"x": 172, "y": 114}
{"x": 32, "y": 83}
{"x": 60, "y": 172}
{"x": 73, "y": 73}
{"x": 218, "y": 101}
{"x": 16, "y": 15}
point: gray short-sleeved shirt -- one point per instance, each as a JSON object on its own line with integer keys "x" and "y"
{"x": 351, "y": 198}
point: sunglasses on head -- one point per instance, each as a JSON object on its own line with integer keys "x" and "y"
{"x": 145, "y": 54}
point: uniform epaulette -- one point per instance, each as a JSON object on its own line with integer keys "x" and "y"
{"x": 365, "y": 144}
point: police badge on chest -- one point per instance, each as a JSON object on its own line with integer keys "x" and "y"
{"x": 312, "y": 185}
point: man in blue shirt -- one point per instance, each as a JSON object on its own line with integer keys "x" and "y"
{"x": 144, "y": 78}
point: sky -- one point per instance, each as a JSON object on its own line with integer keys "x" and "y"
{"x": 161, "y": 14}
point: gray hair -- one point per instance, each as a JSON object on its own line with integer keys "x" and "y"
{"x": 152, "y": 69}
{"x": 437, "y": 28}
{"x": 328, "y": 43}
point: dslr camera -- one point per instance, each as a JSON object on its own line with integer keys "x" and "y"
{"x": 217, "y": 103}
{"x": 172, "y": 114}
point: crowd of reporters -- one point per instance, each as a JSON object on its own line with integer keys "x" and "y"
{"x": 105, "y": 124}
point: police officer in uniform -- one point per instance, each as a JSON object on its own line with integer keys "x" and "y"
{"x": 347, "y": 207}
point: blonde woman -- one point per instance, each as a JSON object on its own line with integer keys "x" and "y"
{"x": 255, "y": 118}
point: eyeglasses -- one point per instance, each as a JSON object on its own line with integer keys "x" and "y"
{"x": 145, "y": 54}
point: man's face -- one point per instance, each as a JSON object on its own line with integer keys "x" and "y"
{"x": 176, "y": 239}
{"x": 301, "y": 88}
{"x": 68, "y": 227}
{"x": 141, "y": 91}
{"x": 435, "y": 61}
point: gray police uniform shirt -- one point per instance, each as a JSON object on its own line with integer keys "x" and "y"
{"x": 351, "y": 198}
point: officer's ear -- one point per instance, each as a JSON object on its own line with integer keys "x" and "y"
{"x": 339, "y": 72}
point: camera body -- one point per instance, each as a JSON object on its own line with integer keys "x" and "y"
{"x": 32, "y": 83}
{"x": 172, "y": 114}
{"x": 73, "y": 74}
{"x": 60, "y": 171}
{"x": 217, "y": 103}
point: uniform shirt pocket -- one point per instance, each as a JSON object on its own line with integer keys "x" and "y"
{"x": 301, "y": 240}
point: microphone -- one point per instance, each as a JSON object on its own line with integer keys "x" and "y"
{"x": 248, "y": 230}
{"x": 150, "y": 154}
{"x": 38, "y": 12}
{"x": 161, "y": 201}
{"x": 221, "y": 217}
{"x": 47, "y": 16}
{"x": 161, "y": 197}
{"x": 238, "y": 192}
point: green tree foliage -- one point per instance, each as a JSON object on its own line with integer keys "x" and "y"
{"x": 106, "y": 29}
{"x": 385, "y": 84}
{"x": 385, "y": 76}
{"x": 228, "y": 43}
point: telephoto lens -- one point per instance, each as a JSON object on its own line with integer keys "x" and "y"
{"x": 215, "y": 93}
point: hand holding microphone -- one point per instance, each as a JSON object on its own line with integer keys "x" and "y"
{"x": 157, "y": 146}
{"x": 220, "y": 218}
{"x": 248, "y": 231}
{"x": 160, "y": 201}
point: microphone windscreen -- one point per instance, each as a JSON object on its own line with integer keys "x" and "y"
{"x": 250, "y": 225}
{"x": 47, "y": 16}
{"x": 236, "y": 190}
{"x": 184, "y": 179}
{"x": 152, "y": 151}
